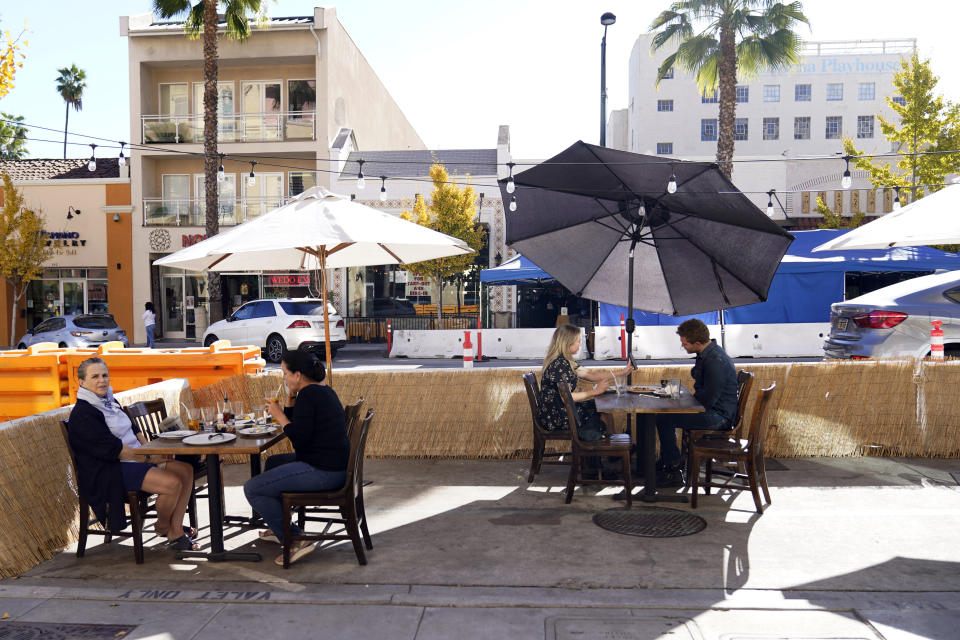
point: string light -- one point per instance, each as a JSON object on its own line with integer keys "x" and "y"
{"x": 770, "y": 203}
{"x": 896, "y": 198}
{"x": 92, "y": 165}
{"x": 513, "y": 203}
{"x": 121, "y": 160}
{"x": 252, "y": 178}
{"x": 846, "y": 180}
{"x": 672, "y": 185}
{"x": 221, "y": 175}
{"x": 383, "y": 188}
{"x": 511, "y": 186}
{"x": 361, "y": 182}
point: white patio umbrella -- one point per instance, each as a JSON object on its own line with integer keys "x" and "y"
{"x": 931, "y": 220}
{"x": 317, "y": 230}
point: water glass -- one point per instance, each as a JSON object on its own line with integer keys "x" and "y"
{"x": 209, "y": 416}
{"x": 674, "y": 387}
{"x": 620, "y": 384}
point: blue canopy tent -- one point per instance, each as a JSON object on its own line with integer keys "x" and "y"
{"x": 806, "y": 283}
{"x": 516, "y": 270}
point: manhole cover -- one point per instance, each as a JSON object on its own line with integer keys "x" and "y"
{"x": 62, "y": 631}
{"x": 650, "y": 522}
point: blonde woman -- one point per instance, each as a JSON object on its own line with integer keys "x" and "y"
{"x": 559, "y": 366}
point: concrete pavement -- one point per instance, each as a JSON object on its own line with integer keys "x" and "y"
{"x": 850, "y": 548}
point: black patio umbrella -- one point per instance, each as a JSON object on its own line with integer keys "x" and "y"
{"x": 605, "y": 224}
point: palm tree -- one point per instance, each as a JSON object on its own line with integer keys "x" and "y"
{"x": 203, "y": 16}
{"x": 70, "y": 86}
{"x": 744, "y": 36}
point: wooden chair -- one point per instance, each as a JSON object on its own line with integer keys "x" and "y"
{"x": 348, "y": 500}
{"x": 594, "y": 449}
{"x": 748, "y": 452}
{"x": 148, "y": 416}
{"x": 352, "y": 414}
{"x": 133, "y": 499}
{"x": 541, "y": 435}
{"x": 744, "y": 386}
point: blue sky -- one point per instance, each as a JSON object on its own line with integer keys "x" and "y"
{"x": 457, "y": 69}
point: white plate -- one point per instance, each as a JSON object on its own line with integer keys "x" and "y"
{"x": 210, "y": 438}
{"x": 257, "y": 431}
{"x": 176, "y": 435}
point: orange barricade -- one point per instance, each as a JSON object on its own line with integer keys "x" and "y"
{"x": 32, "y": 381}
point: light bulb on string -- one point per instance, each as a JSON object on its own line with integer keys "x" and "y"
{"x": 672, "y": 184}
{"x": 361, "y": 182}
{"x": 846, "y": 180}
{"x": 511, "y": 186}
{"x": 896, "y": 198}
{"x": 770, "y": 203}
{"x": 221, "y": 175}
{"x": 92, "y": 165}
{"x": 383, "y": 188}
{"x": 122, "y": 161}
{"x": 513, "y": 203}
{"x": 252, "y": 178}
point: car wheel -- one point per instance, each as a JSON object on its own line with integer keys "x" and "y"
{"x": 210, "y": 339}
{"x": 951, "y": 351}
{"x": 275, "y": 348}
{"x": 62, "y": 345}
{"x": 21, "y": 346}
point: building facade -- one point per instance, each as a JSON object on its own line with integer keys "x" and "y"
{"x": 837, "y": 90}
{"x": 294, "y": 100}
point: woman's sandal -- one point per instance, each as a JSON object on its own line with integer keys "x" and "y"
{"x": 296, "y": 554}
{"x": 190, "y": 532}
{"x": 268, "y": 536}
{"x": 183, "y": 543}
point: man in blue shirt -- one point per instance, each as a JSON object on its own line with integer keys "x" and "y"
{"x": 714, "y": 386}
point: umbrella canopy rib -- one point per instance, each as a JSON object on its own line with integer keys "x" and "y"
{"x": 392, "y": 254}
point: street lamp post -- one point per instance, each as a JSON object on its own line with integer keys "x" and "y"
{"x": 606, "y": 20}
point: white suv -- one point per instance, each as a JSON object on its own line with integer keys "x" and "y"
{"x": 278, "y": 324}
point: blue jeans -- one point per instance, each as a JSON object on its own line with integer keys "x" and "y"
{"x": 667, "y": 423}
{"x": 284, "y": 473}
{"x": 150, "y": 329}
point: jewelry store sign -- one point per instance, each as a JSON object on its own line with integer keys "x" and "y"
{"x": 64, "y": 243}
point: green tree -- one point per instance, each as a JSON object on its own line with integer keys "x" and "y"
{"x": 23, "y": 246}
{"x": 736, "y": 37}
{"x": 453, "y": 211}
{"x": 833, "y": 220}
{"x": 202, "y": 22}
{"x": 927, "y": 123}
{"x": 70, "y": 86}
{"x": 13, "y": 137}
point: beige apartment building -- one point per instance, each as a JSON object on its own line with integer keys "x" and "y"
{"x": 295, "y": 99}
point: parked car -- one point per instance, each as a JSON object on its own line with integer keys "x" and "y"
{"x": 389, "y": 307}
{"x": 277, "y": 324}
{"x": 83, "y": 330}
{"x": 895, "y": 321}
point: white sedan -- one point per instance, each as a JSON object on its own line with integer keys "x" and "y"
{"x": 278, "y": 324}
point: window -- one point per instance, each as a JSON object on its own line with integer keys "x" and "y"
{"x": 302, "y": 95}
{"x": 864, "y": 126}
{"x": 771, "y": 128}
{"x": 743, "y": 95}
{"x": 801, "y": 128}
{"x": 740, "y": 129}
{"x": 664, "y": 105}
{"x": 264, "y": 309}
{"x": 709, "y": 98}
{"x": 866, "y": 91}
{"x": 664, "y": 148}
{"x": 669, "y": 74}
{"x": 834, "y": 127}
{"x": 802, "y": 93}
{"x": 771, "y": 93}
{"x": 900, "y": 100}
{"x": 300, "y": 181}
{"x": 708, "y": 130}
{"x": 834, "y": 92}
{"x": 175, "y": 99}
{"x": 245, "y": 312}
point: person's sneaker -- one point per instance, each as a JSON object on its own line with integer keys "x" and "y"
{"x": 671, "y": 476}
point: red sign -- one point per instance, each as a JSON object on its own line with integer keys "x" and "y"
{"x": 292, "y": 280}
{"x": 192, "y": 238}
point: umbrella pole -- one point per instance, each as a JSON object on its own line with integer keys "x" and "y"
{"x": 322, "y": 252}
{"x": 629, "y": 327}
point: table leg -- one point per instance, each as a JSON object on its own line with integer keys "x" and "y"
{"x": 254, "y": 519}
{"x": 217, "y": 552}
{"x": 650, "y": 464}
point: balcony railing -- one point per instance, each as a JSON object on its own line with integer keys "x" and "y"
{"x": 247, "y": 127}
{"x": 160, "y": 212}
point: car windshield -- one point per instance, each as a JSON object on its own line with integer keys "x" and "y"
{"x": 95, "y": 322}
{"x": 306, "y": 308}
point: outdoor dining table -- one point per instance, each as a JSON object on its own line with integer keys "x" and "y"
{"x": 243, "y": 445}
{"x": 649, "y": 406}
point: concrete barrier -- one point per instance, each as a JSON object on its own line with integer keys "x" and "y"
{"x": 503, "y": 344}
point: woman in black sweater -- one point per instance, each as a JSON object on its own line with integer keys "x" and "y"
{"x": 313, "y": 419}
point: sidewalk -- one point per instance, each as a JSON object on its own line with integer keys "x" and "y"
{"x": 850, "y": 548}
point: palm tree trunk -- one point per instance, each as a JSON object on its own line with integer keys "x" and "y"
{"x": 210, "y": 164}
{"x": 66, "y": 125}
{"x": 727, "y": 74}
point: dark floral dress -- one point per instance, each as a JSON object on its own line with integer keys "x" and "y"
{"x": 553, "y": 415}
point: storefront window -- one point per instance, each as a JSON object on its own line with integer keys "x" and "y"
{"x": 67, "y": 292}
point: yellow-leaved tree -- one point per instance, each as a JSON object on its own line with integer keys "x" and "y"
{"x": 11, "y": 59}
{"x": 23, "y": 246}
{"x": 452, "y": 210}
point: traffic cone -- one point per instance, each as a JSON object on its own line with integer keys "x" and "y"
{"x": 467, "y": 351}
{"x": 623, "y": 339}
{"x": 936, "y": 340}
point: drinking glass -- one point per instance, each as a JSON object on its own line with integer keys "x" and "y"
{"x": 259, "y": 413}
{"x": 192, "y": 416}
{"x": 620, "y": 384}
{"x": 674, "y": 387}
{"x": 209, "y": 416}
